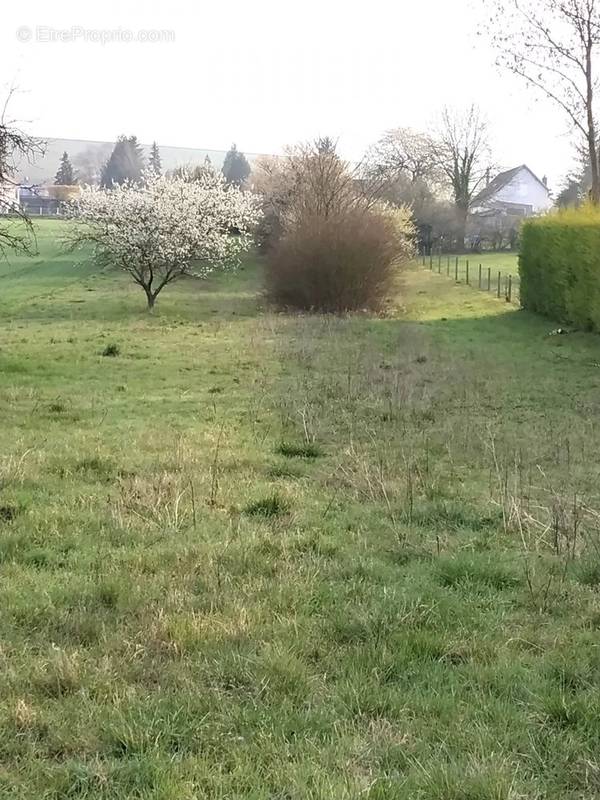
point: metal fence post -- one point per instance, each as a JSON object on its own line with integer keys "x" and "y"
{"x": 499, "y": 275}
{"x": 456, "y": 269}
{"x": 489, "y": 278}
{"x": 467, "y": 278}
{"x": 480, "y": 276}
{"x": 448, "y": 266}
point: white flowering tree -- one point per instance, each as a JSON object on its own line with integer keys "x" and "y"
{"x": 166, "y": 228}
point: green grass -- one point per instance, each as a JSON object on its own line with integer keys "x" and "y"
{"x": 195, "y": 606}
{"x": 506, "y": 263}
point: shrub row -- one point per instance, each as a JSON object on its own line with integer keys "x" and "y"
{"x": 559, "y": 265}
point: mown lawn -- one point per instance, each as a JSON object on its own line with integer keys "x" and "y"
{"x": 265, "y": 556}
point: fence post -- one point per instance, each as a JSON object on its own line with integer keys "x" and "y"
{"x": 467, "y": 278}
{"x": 499, "y": 274}
{"x": 509, "y": 295}
{"x": 431, "y": 259}
{"x": 440, "y": 260}
{"x": 448, "y": 266}
{"x": 456, "y": 270}
{"x": 489, "y": 278}
{"x": 480, "y": 276}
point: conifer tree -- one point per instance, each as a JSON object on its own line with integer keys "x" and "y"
{"x": 126, "y": 163}
{"x": 65, "y": 175}
{"x": 154, "y": 161}
{"x": 235, "y": 167}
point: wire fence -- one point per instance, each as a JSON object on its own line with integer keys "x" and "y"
{"x": 504, "y": 285}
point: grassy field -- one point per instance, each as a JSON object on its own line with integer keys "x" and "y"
{"x": 285, "y": 557}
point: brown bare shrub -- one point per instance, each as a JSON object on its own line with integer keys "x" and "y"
{"x": 344, "y": 261}
{"x": 332, "y": 245}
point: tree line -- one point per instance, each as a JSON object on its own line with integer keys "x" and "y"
{"x": 127, "y": 164}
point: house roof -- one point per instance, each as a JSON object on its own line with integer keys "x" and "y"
{"x": 501, "y": 180}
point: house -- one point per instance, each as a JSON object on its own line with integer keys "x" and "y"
{"x": 45, "y": 200}
{"x": 496, "y": 212}
{"x": 517, "y": 192}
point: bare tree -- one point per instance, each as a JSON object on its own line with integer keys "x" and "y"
{"x": 552, "y": 44}
{"x": 403, "y": 152}
{"x": 462, "y": 153}
{"x": 310, "y": 179}
{"x": 15, "y": 145}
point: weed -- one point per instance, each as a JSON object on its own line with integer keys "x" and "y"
{"x": 111, "y": 350}
{"x": 9, "y": 513}
{"x": 306, "y": 450}
{"x": 272, "y": 506}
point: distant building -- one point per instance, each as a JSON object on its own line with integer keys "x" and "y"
{"x": 45, "y": 200}
{"x": 497, "y": 211}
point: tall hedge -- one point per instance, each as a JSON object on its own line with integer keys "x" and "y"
{"x": 559, "y": 265}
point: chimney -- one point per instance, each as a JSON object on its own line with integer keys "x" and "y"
{"x": 545, "y": 181}
{"x": 487, "y": 177}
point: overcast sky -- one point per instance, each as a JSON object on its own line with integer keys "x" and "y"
{"x": 265, "y": 73}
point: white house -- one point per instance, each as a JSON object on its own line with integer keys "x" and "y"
{"x": 497, "y": 211}
{"x": 518, "y": 192}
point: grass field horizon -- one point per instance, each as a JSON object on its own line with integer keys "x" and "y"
{"x": 248, "y": 554}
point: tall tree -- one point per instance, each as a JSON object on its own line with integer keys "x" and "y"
{"x": 125, "y": 164}
{"x": 235, "y": 167}
{"x": 462, "y": 154}
{"x": 553, "y": 44}
{"x": 65, "y": 175}
{"x": 154, "y": 161}
{"x": 15, "y": 146}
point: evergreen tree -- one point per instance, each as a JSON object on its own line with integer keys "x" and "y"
{"x": 235, "y": 167}
{"x": 126, "y": 162}
{"x": 154, "y": 162}
{"x": 325, "y": 145}
{"x": 66, "y": 174}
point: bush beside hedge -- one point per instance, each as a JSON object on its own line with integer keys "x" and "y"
{"x": 559, "y": 265}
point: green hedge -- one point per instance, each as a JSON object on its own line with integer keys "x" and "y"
{"x": 559, "y": 265}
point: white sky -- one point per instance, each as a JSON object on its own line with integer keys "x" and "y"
{"x": 265, "y": 73}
